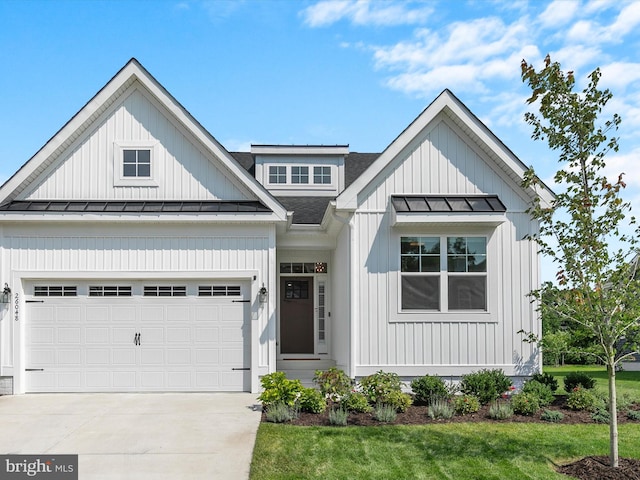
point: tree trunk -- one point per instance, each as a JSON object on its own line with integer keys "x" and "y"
{"x": 613, "y": 414}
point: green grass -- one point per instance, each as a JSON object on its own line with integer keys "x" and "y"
{"x": 448, "y": 451}
{"x": 626, "y": 382}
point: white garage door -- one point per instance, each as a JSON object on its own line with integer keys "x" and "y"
{"x": 131, "y": 337}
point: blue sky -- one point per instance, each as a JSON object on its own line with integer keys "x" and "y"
{"x": 315, "y": 72}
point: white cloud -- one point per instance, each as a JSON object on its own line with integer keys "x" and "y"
{"x": 425, "y": 84}
{"x": 558, "y": 13}
{"x": 365, "y": 12}
{"x": 619, "y": 75}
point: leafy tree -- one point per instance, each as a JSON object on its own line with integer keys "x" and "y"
{"x": 585, "y": 229}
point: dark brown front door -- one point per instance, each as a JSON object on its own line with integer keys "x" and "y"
{"x": 296, "y": 315}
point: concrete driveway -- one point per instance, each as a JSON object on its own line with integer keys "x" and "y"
{"x": 137, "y": 436}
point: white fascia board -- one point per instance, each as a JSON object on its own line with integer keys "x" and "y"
{"x": 415, "y": 219}
{"x": 348, "y": 198}
{"x": 305, "y": 150}
{"x": 221, "y": 217}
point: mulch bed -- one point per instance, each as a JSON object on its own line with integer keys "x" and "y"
{"x": 588, "y": 468}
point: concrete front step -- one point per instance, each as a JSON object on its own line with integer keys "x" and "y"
{"x": 304, "y": 370}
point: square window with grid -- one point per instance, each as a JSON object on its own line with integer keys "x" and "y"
{"x": 277, "y": 174}
{"x": 299, "y": 175}
{"x": 136, "y": 163}
{"x": 322, "y": 175}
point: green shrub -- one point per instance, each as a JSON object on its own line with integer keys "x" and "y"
{"x": 385, "y": 388}
{"x": 540, "y": 390}
{"x": 499, "y": 410}
{"x": 379, "y": 385}
{"x": 278, "y": 388}
{"x": 525, "y": 403}
{"x": 355, "y": 402}
{"x": 582, "y": 399}
{"x": 333, "y": 383}
{"x": 485, "y": 384}
{"x": 578, "y": 379}
{"x": 311, "y": 400}
{"x": 601, "y": 415}
{"x": 546, "y": 379}
{"x": 280, "y": 412}
{"x": 440, "y": 408}
{"x": 385, "y": 413}
{"x": 428, "y": 388}
{"x": 633, "y": 415}
{"x": 552, "y": 416}
{"x": 338, "y": 416}
{"x": 464, "y": 404}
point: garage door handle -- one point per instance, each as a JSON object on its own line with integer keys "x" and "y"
{"x": 240, "y": 301}
{"x": 245, "y": 368}
{"x": 34, "y": 369}
{"x": 136, "y": 339}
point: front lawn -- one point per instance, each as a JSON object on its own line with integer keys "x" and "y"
{"x": 627, "y": 383}
{"x": 447, "y": 451}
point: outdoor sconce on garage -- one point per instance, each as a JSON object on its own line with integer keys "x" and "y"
{"x": 262, "y": 294}
{"x": 5, "y": 295}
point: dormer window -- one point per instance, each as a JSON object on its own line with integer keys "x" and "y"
{"x": 278, "y": 174}
{"x": 322, "y": 175}
{"x": 299, "y": 175}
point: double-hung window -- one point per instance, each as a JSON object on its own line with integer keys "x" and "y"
{"x": 443, "y": 274}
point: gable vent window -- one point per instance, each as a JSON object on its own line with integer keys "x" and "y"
{"x": 278, "y": 174}
{"x": 219, "y": 291}
{"x": 299, "y": 175}
{"x": 136, "y": 163}
{"x": 165, "y": 291}
{"x": 109, "y": 291}
{"x": 322, "y": 175}
{"x": 55, "y": 291}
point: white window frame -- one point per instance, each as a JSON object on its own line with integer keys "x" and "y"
{"x": 299, "y": 172}
{"x": 286, "y": 174}
{"x": 119, "y": 180}
{"x": 397, "y": 314}
{"x": 322, "y": 174}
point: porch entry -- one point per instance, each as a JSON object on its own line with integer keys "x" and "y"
{"x": 296, "y": 315}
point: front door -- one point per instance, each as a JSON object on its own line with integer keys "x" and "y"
{"x": 296, "y": 315}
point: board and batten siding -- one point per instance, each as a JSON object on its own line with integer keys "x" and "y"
{"x": 441, "y": 161}
{"x": 103, "y": 252}
{"x": 182, "y": 168}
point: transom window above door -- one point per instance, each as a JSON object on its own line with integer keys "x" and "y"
{"x": 299, "y": 267}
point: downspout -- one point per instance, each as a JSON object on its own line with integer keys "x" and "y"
{"x": 353, "y": 288}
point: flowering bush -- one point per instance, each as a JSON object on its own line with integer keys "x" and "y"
{"x": 465, "y": 404}
{"x": 333, "y": 383}
{"x": 525, "y": 403}
{"x": 582, "y": 399}
{"x": 385, "y": 388}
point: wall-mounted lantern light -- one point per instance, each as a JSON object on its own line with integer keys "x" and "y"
{"x": 262, "y": 294}
{"x": 5, "y": 295}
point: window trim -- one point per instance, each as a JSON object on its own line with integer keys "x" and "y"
{"x": 397, "y": 314}
{"x": 119, "y": 180}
